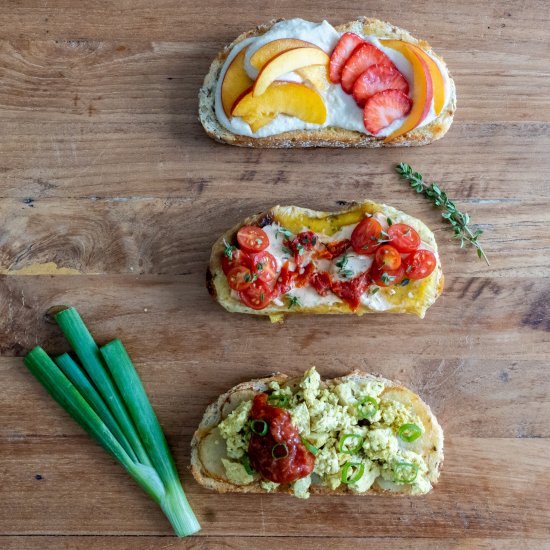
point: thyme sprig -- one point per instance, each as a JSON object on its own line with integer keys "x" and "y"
{"x": 459, "y": 220}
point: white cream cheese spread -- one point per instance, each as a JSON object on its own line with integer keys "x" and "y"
{"x": 342, "y": 110}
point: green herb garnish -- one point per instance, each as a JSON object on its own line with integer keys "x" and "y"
{"x": 279, "y": 451}
{"x": 404, "y": 472}
{"x": 409, "y": 432}
{"x": 350, "y": 443}
{"x": 228, "y": 249}
{"x": 259, "y": 427}
{"x": 245, "y": 461}
{"x": 310, "y": 447}
{"x": 284, "y": 232}
{"x": 367, "y": 407}
{"x": 356, "y": 473}
{"x": 293, "y": 301}
{"x": 387, "y": 279}
{"x": 278, "y": 400}
{"x": 459, "y": 220}
{"x": 106, "y": 397}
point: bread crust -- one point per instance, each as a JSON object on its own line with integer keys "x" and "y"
{"x": 432, "y": 451}
{"x": 330, "y": 136}
{"x": 218, "y": 288}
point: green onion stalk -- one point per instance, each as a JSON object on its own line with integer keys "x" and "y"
{"x": 107, "y": 399}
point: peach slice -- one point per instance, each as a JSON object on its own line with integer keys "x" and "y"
{"x": 422, "y": 88}
{"x": 316, "y": 75}
{"x": 235, "y": 82}
{"x": 289, "y": 98}
{"x": 286, "y": 62}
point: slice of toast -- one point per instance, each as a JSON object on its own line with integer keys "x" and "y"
{"x": 208, "y": 446}
{"x": 330, "y": 136}
{"x": 414, "y": 298}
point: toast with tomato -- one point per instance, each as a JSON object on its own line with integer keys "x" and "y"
{"x": 357, "y": 434}
{"x": 293, "y": 83}
{"x": 367, "y": 258}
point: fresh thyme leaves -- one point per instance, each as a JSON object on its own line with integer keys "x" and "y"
{"x": 374, "y": 290}
{"x": 341, "y": 265}
{"x": 284, "y": 232}
{"x": 228, "y": 249}
{"x": 293, "y": 301}
{"x": 390, "y": 221}
{"x": 300, "y": 249}
{"x": 286, "y": 250}
{"x": 459, "y": 220}
{"x": 387, "y": 279}
{"x": 404, "y": 282}
{"x": 250, "y": 277}
{"x": 259, "y": 266}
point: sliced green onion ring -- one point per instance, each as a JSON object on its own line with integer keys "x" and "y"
{"x": 274, "y": 452}
{"x": 262, "y": 429}
{"x": 409, "y": 432}
{"x": 355, "y": 475}
{"x": 405, "y": 472}
{"x": 367, "y": 407}
{"x": 280, "y": 401}
{"x": 346, "y": 440}
{"x": 245, "y": 461}
{"x": 311, "y": 448}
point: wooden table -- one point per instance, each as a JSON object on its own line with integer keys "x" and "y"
{"x": 112, "y": 196}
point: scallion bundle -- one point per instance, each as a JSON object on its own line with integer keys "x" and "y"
{"x": 104, "y": 394}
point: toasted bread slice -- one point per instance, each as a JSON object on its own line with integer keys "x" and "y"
{"x": 208, "y": 446}
{"x": 329, "y": 136}
{"x": 414, "y": 298}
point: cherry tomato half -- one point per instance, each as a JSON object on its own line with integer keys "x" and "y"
{"x": 239, "y": 278}
{"x": 238, "y": 257}
{"x": 256, "y": 296}
{"x": 403, "y": 237}
{"x": 252, "y": 238}
{"x": 387, "y": 277}
{"x": 264, "y": 265}
{"x": 366, "y": 236}
{"x": 419, "y": 264}
{"x": 387, "y": 257}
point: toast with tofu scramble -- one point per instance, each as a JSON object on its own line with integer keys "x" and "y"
{"x": 358, "y": 434}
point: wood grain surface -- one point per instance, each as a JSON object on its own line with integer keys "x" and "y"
{"x": 112, "y": 195}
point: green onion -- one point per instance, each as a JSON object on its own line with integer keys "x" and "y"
{"x": 151, "y": 434}
{"x": 92, "y": 402}
{"x": 82, "y": 383}
{"x": 367, "y": 407}
{"x": 409, "y": 432}
{"x": 263, "y": 427}
{"x": 311, "y": 448}
{"x": 405, "y": 472}
{"x": 87, "y": 351}
{"x": 357, "y": 471}
{"x": 274, "y": 451}
{"x": 344, "y": 444}
{"x": 245, "y": 461}
{"x": 280, "y": 401}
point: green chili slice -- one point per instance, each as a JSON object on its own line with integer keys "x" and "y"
{"x": 346, "y": 442}
{"x": 311, "y": 448}
{"x": 275, "y": 452}
{"x": 405, "y": 472}
{"x": 409, "y": 432}
{"x": 280, "y": 401}
{"x": 367, "y": 407}
{"x": 352, "y": 477}
{"x": 259, "y": 427}
{"x": 245, "y": 461}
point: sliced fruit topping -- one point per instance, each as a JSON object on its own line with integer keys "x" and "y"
{"x": 257, "y": 295}
{"x": 289, "y": 98}
{"x": 240, "y": 278}
{"x": 403, "y": 237}
{"x": 360, "y": 60}
{"x": 287, "y": 62}
{"x": 264, "y": 265}
{"x": 378, "y": 78}
{"x": 387, "y": 277}
{"x": 365, "y": 238}
{"x": 252, "y": 238}
{"x": 268, "y": 51}
{"x": 419, "y": 264}
{"x": 234, "y": 257}
{"x": 422, "y": 88}
{"x": 347, "y": 43}
{"x": 235, "y": 82}
{"x": 383, "y": 108}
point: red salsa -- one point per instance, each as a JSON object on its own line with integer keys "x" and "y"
{"x": 279, "y": 455}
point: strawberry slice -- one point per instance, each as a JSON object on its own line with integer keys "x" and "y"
{"x": 378, "y": 78}
{"x": 383, "y": 108}
{"x": 347, "y": 43}
{"x": 359, "y": 61}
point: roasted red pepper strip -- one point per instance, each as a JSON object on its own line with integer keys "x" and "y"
{"x": 333, "y": 250}
{"x": 321, "y": 282}
{"x": 302, "y": 279}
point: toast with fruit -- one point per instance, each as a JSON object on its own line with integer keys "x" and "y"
{"x": 293, "y": 83}
{"x": 368, "y": 258}
{"x": 359, "y": 434}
